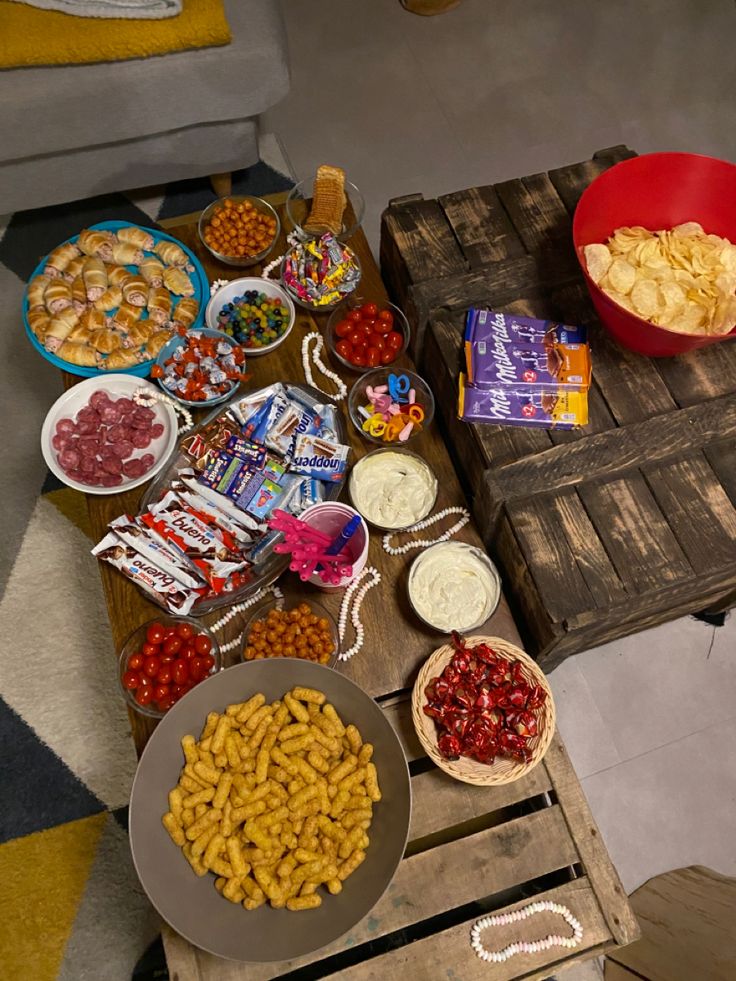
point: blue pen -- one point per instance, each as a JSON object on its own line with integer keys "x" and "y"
{"x": 344, "y": 536}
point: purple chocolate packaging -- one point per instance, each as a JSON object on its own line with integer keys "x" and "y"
{"x": 484, "y": 325}
{"x": 550, "y": 408}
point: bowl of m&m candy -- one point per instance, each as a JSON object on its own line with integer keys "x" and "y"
{"x": 256, "y": 313}
{"x": 390, "y": 406}
{"x": 200, "y": 368}
{"x": 364, "y": 334}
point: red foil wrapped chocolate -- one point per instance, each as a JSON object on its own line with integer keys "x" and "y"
{"x": 483, "y": 706}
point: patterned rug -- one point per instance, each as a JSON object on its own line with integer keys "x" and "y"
{"x": 73, "y": 909}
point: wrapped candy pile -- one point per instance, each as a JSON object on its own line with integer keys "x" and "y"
{"x": 483, "y": 706}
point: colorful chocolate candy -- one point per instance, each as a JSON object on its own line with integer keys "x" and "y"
{"x": 393, "y": 413}
{"x": 321, "y": 271}
{"x": 202, "y": 368}
{"x": 254, "y": 319}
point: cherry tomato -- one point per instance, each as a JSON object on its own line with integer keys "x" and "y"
{"x": 165, "y": 704}
{"x": 177, "y": 691}
{"x": 144, "y": 695}
{"x": 188, "y": 651}
{"x": 359, "y": 360}
{"x": 135, "y": 661}
{"x": 181, "y": 673}
{"x": 152, "y": 666}
{"x": 165, "y": 658}
{"x": 165, "y": 674}
{"x": 160, "y": 692}
{"x": 203, "y": 644}
{"x": 369, "y": 310}
{"x": 196, "y": 669}
{"x": 155, "y": 633}
{"x": 144, "y": 680}
{"x": 394, "y": 340}
{"x": 345, "y": 349}
{"x": 354, "y": 316}
{"x": 355, "y": 337}
{"x": 388, "y": 356}
{"x": 149, "y": 649}
{"x": 131, "y": 680}
{"x": 172, "y": 645}
{"x": 209, "y": 662}
{"x": 373, "y": 357}
{"x": 386, "y": 317}
{"x": 170, "y": 631}
{"x": 368, "y": 325}
{"x": 375, "y": 340}
{"x": 343, "y": 328}
{"x": 185, "y": 630}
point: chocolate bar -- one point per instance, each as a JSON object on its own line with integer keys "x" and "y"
{"x": 544, "y": 408}
{"x": 254, "y": 456}
{"x": 485, "y": 325}
{"x": 492, "y": 364}
{"x": 320, "y": 458}
{"x": 130, "y": 531}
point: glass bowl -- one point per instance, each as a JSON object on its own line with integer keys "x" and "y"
{"x": 359, "y": 403}
{"x": 494, "y": 583}
{"x": 342, "y": 313}
{"x": 288, "y": 604}
{"x": 238, "y": 260}
{"x": 237, "y": 288}
{"x": 316, "y": 307}
{"x": 299, "y": 202}
{"x": 364, "y": 497}
{"x": 135, "y": 642}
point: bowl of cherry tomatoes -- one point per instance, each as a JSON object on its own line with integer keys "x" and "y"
{"x": 362, "y": 334}
{"x": 164, "y": 659}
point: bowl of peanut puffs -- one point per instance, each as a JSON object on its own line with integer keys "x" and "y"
{"x": 270, "y": 810}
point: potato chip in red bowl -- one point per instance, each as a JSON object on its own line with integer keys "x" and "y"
{"x": 656, "y": 239}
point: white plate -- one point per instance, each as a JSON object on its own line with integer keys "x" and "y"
{"x": 236, "y": 287}
{"x": 116, "y": 386}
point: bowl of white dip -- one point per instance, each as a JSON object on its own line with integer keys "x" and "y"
{"x": 453, "y": 586}
{"x": 392, "y": 488}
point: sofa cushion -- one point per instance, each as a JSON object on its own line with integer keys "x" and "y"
{"x": 47, "y": 110}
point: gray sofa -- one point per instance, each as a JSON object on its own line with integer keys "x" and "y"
{"x": 79, "y": 130}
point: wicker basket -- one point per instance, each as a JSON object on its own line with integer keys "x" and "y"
{"x": 503, "y": 769}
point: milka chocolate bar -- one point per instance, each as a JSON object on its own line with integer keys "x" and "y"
{"x": 492, "y": 364}
{"x": 482, "y": 325}
{"x": 543, "y": 408}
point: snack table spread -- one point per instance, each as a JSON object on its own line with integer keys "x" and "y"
{"x": 534, "y": 837}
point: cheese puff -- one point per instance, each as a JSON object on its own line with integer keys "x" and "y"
{"x": 249, "y": 707}
{"x": 176, "y": 797}
{"x": 344, "y": 769}
{"x": 199, "y": 868}
{"x": 264, "y": 712}
{"x": 330, "y": 712}
{"x": 232, "y": 750}
{"x": 187, "y": 817}
{"x": 175, "y": 830}
{"x": 297, "y": 903}
{"x": 306, "y": 772}
{"x": 296, "y": 745}
{"x": 350, "y": 864}
{"x": 302, "y": 797}
{"x": 334, "y": 886}
{"x": 359, "y": 802}
{"x": 190, "y": 749}
{"x": 215, "y": 846}
{"x": 209, "y": 774}
{"x": 200, "y": 825}
{"x": 200, "y": 810}
{"x": 350, "y": 843}
{"x": 247, "y": 811}
{"x": 308, "y": 695}
{"x": 352, "y": 734}
{"x": 317, "y": 762}
{"x": 210, "y": 725}
{"x": 353, "y": 780}
{"x": 293, "y": 731}
{"x": 235, "y": 854}
{"x": 218, "y": 739}
{"x": 371, "y": 782}
{"x": 201, "y": 797}
{"x": 296, "y": 709}
{"x": 187, "y": 783}
{"x": 254, "y": 743}
{"x": 331, "y": 829}
{"x": 365, "y": 754}
{"x": 199, "y": 845}
{"x": 232, "y": 890}
{"x": 353, "y": 818}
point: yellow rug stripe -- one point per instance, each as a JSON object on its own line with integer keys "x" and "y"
{"x": 29, "y": 36}
{"x": 73, "y": 506}
{"x": 43, "y": 878}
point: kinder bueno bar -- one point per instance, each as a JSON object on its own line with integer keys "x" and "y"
{"x": 492, "y": 364}
{"x": 137, "y": 536}
{"x": 551, "y": 408}
{"x": 212, "y": 516}
{"x": 224, "y": 541}
{"x": 219, "y": 501}
{"x": 320, "y": 458}
{"x": 160, "y": 585}
{"x": 484, "y": 325}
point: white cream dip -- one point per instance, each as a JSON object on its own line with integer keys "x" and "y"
{"x": 452, "y": 586}
{"x": 392, "y": 489}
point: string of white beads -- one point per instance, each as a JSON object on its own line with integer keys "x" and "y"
{"x": 425, "y": 542}
{"x": 314, "y": 336}
{"x": 293, "y": 238}
{"x": 523, "y": 946}
{"x": 354, "y": 596}
{"x": 241, "y": 608}
{"x": 146, "y": 397}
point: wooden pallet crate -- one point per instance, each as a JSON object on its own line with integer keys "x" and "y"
{"x": 471, "y": 850}
{"x": 602, "y": 531}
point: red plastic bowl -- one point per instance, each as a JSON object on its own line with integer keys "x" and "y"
{"x": 657, "y": 190}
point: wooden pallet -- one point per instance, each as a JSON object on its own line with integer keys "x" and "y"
{"x": 481, "y": 849}
{"x": 600, "y": 532}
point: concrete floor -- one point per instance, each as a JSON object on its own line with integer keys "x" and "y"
{"x": 494, "y": 90}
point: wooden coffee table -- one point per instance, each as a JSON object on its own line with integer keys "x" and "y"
{"x": 470, "y": 849}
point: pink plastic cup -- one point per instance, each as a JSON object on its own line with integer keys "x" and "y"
{"x": 330, "y": 518}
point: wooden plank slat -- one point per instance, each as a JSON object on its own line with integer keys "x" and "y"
{"x": 635, "y": 534}
{"x": 570, "y": 182}
{"x": 697, "y": 509}
{"x": 602, "y": 456}
{"x": 420, "y": 960}
{"x": 481, "y": 225}
{"x": 479, "y": 865}
{"x": 425, "y": 240}
{"x": 596, "y": 863}
{"x": 700, "y": 375}
{"x": 537, "y": 212}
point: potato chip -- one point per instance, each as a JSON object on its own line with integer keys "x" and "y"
{"x": 597, "y": 261}
{"x": 682, "y": 279}
{"x": 622, "y": 276}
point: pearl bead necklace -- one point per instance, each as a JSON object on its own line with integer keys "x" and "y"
{"x": 525, "y": 947}
{"x": 293, "y": 238}
{"x": 373, "y": 577}
{"x": 146, "y": 397}
{"x": 241, "y": 608}
{"x": 424, "y": 542}
{"x": 342, "y": 388}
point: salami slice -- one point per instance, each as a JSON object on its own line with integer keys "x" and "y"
{"x": 112, "y": 480}
{"x": 141, "y": 440}
{"x": 65, "y": 426}
{"x": 116, "y": 433}
{"x": 147, "y": 461}
{"x": 125, "y": 405}
{"x": 111, "y": 464}
{"x": 85, "y": 428}
{"x": 69, "y": 460}
{"x": 78, "y": 476}
{"x": 61, "y": 441}
{"x": 156, "y": 430}
{"x": 137, "y": 421}
{"x": 88, "y": 445}
{"x": 123, "y": 449}
{"x": 145, "y": 413}
{"x": 133, "y": 468}
{"x": 88, "y": 414}
{"x": 111, "y": 414}
{"x": 99, "y": 399}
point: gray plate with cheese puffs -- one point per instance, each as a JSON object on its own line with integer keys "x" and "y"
{"x": 270, "y": 810}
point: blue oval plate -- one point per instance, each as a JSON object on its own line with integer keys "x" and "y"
{"x": 201, "y": 293}
{"x": 176, "y": 341}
